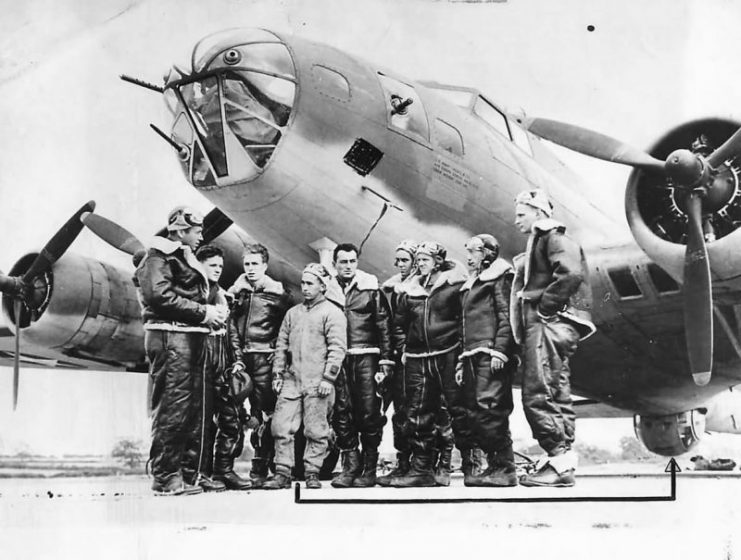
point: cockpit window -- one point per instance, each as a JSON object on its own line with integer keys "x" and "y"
{"x": 492, "y": 116}
{"x": 448, "y": 137}
{"x": 519, "y": 136}
{"x": 405, "y": 109}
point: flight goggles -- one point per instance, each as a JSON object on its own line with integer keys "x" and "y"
{"x": 475, "y": 244}
{"x": 183, "y": 217}
{"x": 432, "y": 248}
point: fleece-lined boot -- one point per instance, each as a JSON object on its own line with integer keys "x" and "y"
{"x": 419, "y": 474}
{"x": 501, "y": 470}
{"x": 351, "y": 468}
{"x": 367, "y": 478}
{"x": 402, "y": 467}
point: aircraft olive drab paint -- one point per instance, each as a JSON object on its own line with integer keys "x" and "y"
{"x": 302, "y": 146}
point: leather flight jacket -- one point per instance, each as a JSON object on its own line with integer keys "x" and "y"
{"x": 172, "y": 288}
{"x": 485, "y": 307}
{"x": 429, "y": 322}
{"x": 368, "y": 316}
{"x": 552, "y": 275}
{"x": 257, "y": 313}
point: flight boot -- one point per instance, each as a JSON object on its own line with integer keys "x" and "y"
{"x": 471, "y": 460}
{"x": 233, "y": 481}
{"x": 279, "y": 480}
{"x": 259, "y": 472}
{"x": 500, "y": 472}
{"x": 443, "y": 467}
{"x": 419, "y": 475}
{"x": 174, "y": 485}
{"x": 557, "y": 471}
{"x": 370, "y": 465}
{"x": 312, "y": 481}
{"x": 351, "y": 469}
{"x": 402, "y": 467}
{"x": 209, "y": 484}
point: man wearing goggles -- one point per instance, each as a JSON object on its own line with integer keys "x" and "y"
{"x": 173, "y": 290}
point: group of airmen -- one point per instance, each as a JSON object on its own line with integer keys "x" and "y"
{"x": 439, "y": 342}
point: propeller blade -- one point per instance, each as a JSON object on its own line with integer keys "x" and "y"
{"x": 729, "y": 149}
{"x": 698, "y": 303}
{"x": 593, "y": 144}
{"x": 58, "y": 244}
{"x": 17, "y": 357}
{"x": 112, "y": 233}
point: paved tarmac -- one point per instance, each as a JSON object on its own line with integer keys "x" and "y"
{"x": 603, "y": 516}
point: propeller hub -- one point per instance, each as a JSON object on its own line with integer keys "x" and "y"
{"x": 685, "y": 168}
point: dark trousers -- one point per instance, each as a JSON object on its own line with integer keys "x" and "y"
{"x": 262, "y": 402}
{"x": 429, "y": 384}
{"x": 357, "y": 410}
{"x": 230, "y": 433}
{"x": 488, "y": 398}
{"x": 180, "y": 400}
{"x": 546, "y": 387}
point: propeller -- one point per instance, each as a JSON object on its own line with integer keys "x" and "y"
{"x": 18, "y": 287}
{"x": 112, "y": 233}
{"x": 690, "y": 172}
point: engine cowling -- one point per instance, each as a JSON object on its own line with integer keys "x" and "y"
{"x": 83, "y": 308}
{"x": 670, "y": 435}
{"x": 656, "y": 211}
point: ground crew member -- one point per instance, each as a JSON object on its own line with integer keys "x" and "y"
{"x": 551, "y": 304}
{"x": 173, "y": 288}
{"x": 487, "y": 364}
{"x": 308, "y": 356}
{"x": 260, "y": 303}
{"x": 426, "y": 331}
{"x": 358, "y": 408}
{"x": 221, "y": 345}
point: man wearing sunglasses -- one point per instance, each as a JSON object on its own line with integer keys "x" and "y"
{"x": 173, "y": 290}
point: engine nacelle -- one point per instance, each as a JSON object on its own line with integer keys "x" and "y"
{"x": 670, "y": 435}
{"x": 656, "y": 211}
{"x": 83, "y": 308}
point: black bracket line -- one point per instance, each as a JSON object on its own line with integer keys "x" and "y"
{"x": 671, "y": 468}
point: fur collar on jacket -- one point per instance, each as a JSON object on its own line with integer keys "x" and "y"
{"x": 168, "y": 247}
{"x": 498, "y": 268}
{"x": 268, "y": 285}
{"x": 396, "y": 284}
{"x": 362, "y": 280}
{"x": 456, "y": 275}
{"x": 547, "y": 224}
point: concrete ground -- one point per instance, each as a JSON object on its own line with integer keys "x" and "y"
{"x": 120, "y": 518}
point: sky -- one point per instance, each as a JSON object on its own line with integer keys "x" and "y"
{"x": 73, "y": 131}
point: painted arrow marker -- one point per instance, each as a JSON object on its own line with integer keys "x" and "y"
{"x": 672, "y": 468}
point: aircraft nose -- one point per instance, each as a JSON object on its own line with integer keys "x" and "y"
{"x": 233, "y": 110}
